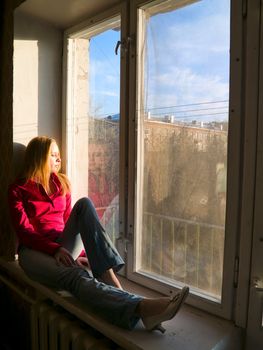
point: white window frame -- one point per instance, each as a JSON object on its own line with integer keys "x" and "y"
{"x": 89, "y": 27}
{"x": 225, "y": 308}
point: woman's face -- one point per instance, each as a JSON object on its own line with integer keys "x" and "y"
{"x": 54, "y": 158}
{"x": 98, "y": 157}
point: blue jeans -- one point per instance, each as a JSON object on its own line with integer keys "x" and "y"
{"x": 113, "y": 304}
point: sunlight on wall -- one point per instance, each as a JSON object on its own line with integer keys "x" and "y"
{"x": 25, "y": 95}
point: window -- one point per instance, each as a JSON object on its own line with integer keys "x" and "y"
{"x": 181, "y": 135}
{"x": 93, "y": 114}
{"x": 148, "y": 139}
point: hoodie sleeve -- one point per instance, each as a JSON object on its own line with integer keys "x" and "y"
{"x": 68, "y": 207}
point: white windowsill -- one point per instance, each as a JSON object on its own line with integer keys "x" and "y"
{"x": 191, "y": 329}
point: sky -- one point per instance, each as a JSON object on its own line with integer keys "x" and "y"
{"x": 187, "y": 64}
{"x": 105, "y": 74}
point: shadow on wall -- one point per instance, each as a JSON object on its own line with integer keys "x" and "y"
{"x": 8, "y": 239}
{"x": 18, "y": 159}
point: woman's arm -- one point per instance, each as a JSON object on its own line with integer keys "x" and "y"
{"x": 25, "y": 231}
{"x": 68, "y": 207}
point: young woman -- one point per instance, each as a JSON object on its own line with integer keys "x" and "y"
{"x": 51, "y": 236}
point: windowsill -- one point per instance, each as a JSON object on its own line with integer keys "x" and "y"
{"x": 192, "y": 329}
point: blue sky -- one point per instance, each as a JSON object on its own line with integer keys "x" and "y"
{"x": 188, "y": 63}
{"x": 105, "y": 74}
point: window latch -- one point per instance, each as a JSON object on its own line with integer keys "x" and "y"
{"x": 124, "y": 43}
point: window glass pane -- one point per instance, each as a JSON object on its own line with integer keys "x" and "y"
{"x": 93, "y": 138}
{"x": 183, "y": 92}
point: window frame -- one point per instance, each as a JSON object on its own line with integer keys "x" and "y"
{"x": 128, "y": 148}
{"x": 225, "y": 308}
{"x": 75, "y": 31}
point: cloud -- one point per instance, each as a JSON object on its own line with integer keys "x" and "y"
{"x": 188, "y": 56}
{"x": 194, "y": 35}
{"x": 185, "y": 87}
{"x": 207, "y": 34}
{"x": 104, "y": 87}
{"x": 104, "y": 68}
{"x": 187, "y": 82}
{"x": 106, "y": 93}
{"x": 112, "y": 79}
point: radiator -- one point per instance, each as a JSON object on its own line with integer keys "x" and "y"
{"x": 55, "y": 329}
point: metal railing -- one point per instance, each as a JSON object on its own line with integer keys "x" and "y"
{"x": 177, "y": 249}
{"x": 183, "y": 250}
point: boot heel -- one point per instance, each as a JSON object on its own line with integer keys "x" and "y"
{"x": 154, "y": 322}
{"x": 159, "y": 328}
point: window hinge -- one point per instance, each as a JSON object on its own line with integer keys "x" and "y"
{"x": 236, "y": 272}
{"x": 123, "y": 241}
{"x": 244, "y": 8}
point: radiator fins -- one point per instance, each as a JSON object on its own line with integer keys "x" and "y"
{"x": 54, "y": 329}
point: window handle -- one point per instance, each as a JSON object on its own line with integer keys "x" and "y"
{"x": 257, "y": 284}
{"x": 117, "y": 47}
{"x": 124, "y": 43}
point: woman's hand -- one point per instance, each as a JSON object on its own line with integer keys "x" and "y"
{"x": 63, "y": 257}
{"x": 82, "y": 261}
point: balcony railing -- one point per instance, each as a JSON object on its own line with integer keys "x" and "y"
{"x": 177, "y": 249}
{"x": 183, "y": 250}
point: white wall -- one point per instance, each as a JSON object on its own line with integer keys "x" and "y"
{"x": 37, "y": 79}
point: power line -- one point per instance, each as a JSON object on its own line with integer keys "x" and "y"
{"x": 193, "y": 110}
{"x": 195, "y": 115}
{"x": 183, "y": 111}
{"x": 190, "y": 104}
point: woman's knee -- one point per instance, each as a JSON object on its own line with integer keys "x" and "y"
{"x": 84, "y": 202}
{"x": 85, "y": 210}
{"x": 85, "y": 205}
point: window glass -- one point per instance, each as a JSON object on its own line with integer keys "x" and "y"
{"x": 103, "y": 178}
{"x": 93, "y": 125}
{"x": 183, "y": 93}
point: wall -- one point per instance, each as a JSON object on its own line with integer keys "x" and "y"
{"x": 37, "y": 79}
{"x": 36, "y": 101}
